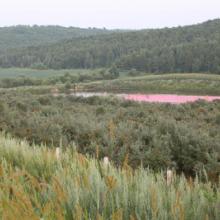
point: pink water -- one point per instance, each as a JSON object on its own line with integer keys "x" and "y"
{"x": 173, "y": 99}
{"x": 156, "y": 98}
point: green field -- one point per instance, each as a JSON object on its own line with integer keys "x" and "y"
{"x": 39, "y": 74}
{"x": 200, "y": 84}
{"x": 94, "y": 81}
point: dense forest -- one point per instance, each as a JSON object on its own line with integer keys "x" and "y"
{"x": 24, "y": 35}
{"x": 193, "y": 48}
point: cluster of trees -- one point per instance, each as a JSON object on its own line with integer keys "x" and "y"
{"x": 182, "y": 49}
{"x": 159, "y": 136}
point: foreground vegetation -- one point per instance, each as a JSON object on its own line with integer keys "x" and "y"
{"x": 35, "y": 184}
{"x": 185, "y": 136}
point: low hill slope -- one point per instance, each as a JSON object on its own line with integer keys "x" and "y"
{"x": 24, "y": 36}
{"x": 193, "y": 48}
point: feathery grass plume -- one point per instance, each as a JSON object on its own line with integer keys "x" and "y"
{"x": 118, "y": 215}
{"x": 177, "y": 207}
{"x": 132, "y": 217}
{"x": 82, "y": 160}
{"x": 182, "y": 213}
{"x": 207, "y": 217}
{"x": 78, "y": 212}
{"x": 97, "y": 152}
{"x": 190, "y": 183}
{"x": 154, "y": 202}
{"x": 85, "y": 181}
{"x": 59, "y": 190}
{"x": 112, "y": 130}
{"x": 99, "y": 217}
{"x": 111, "y": 182}
{"x": 125, "y": 162}
{"x": 126, "y": 168}
{"x": 47, "y": 209}
{"x": 1, "y": 171}
{"x": 19, "y": 206}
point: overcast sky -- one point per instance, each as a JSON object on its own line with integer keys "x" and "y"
{"x": 126, "y": 14}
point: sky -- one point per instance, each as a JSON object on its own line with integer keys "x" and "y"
{"x": 111, "y": 14}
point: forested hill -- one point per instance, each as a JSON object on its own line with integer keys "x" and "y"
{"x": 193, "y": 48}
{"x": 24, "y": 36}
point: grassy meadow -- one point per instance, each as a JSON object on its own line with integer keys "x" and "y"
{"x": 38, "y": 74}
{"x": 35, "y": 184}
{"x": 185, "y": 83}
{"x": 100, "y": 80}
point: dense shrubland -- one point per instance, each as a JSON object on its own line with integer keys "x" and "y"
{"x": 37, "y": 185}
{"x": 182, "y": 49}
{"x": 158, "y": 136}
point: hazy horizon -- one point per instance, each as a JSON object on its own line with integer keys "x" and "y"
{"x": 118, "y": 28}
{"x": 113, "y": 14}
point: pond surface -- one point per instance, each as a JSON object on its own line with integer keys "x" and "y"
{"x": 157, "y": 98}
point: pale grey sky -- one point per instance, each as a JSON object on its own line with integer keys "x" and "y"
{"x": 127, "y": 14}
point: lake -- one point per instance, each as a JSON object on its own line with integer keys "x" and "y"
{"x": 152, "y": 98}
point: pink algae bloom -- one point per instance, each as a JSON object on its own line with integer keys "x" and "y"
{"x": 163, "y": 98}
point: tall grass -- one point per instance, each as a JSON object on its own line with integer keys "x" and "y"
{"x": 35, "y": 185}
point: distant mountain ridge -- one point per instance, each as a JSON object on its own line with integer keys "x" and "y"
{"x": 24, "y": 36}
{"x": 194, "y": 48}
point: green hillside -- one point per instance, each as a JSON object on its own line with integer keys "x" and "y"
{"x": 24, "y": 36}
{"x": 193, "y": 48}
